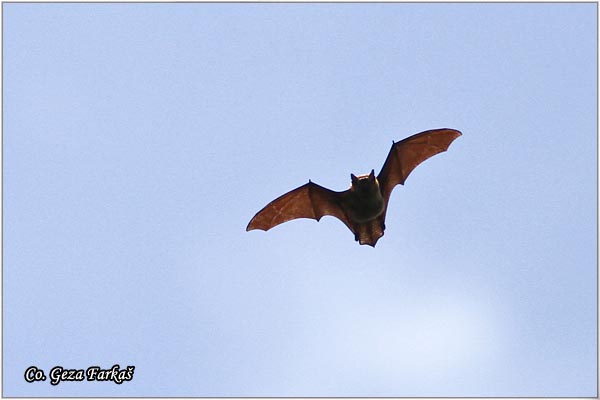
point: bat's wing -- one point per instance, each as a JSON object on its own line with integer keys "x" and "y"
{"x": 405, "y": 155}
{"x": 307, "y": 201}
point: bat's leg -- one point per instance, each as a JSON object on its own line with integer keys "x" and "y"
{"x": 381, "y": 220}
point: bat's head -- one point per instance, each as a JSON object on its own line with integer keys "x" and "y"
{"x": 364, "y": 183}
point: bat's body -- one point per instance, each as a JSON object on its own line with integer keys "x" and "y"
{"x": 362, "y": 207}
{"x": 364, "y": 198}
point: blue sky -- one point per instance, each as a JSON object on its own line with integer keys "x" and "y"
{"x": 139, "y": 140}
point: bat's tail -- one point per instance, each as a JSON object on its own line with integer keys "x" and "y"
{"x": 369, "y": 232}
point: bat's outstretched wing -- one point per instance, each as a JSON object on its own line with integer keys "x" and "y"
{"x": 307, "y": 201}
{"x": 405, "y": 155}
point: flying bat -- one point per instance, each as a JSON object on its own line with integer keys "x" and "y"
{"x": 362, "y": 207}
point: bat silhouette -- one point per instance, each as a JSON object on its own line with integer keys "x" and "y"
{"x": 362, "y": 207}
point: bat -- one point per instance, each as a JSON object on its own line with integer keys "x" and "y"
{"x": 363, "y": 206}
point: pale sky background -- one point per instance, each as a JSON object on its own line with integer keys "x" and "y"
{"x": 139, "y": 140}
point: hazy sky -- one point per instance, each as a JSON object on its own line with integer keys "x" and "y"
{"x": 139, "y": 140}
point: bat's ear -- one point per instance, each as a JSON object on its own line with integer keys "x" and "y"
{"x": 354, "y": 178}
{"x": 372, "y": 175}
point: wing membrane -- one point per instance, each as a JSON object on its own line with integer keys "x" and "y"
{"x": 405, "y": 155}
{"x": 307, "y": 201}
